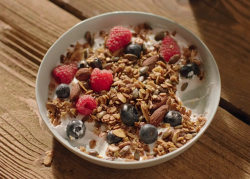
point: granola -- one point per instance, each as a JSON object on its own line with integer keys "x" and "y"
{"x": 147, "y": 82}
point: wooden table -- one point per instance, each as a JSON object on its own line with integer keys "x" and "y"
{"x": 29, "y": 27}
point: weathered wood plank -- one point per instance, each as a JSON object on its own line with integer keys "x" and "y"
{"x": 223, "y": 35}
{"x": 239, "y": 10}
{"x": 221, "y": 151}
{"x": 27, "y": 30}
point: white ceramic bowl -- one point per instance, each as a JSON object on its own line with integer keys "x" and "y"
{"x": 211, "y": 84}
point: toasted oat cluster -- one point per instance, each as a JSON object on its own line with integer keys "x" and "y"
{"x": 143, "y": 83}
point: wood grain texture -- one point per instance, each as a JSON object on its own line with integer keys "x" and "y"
{"x": 239, "y": 10}
{"x": 27, "y": 29}
{"x": 222, "y": 152}
{"x": 222, "y": 25}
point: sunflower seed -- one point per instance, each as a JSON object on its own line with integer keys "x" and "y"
{"x": 143, "y": 70}
{"x": 156, "y": 92}
{"x": 141, "y": 78}
{"x": 130, "y": 57}
{"x": 137, "y": 155}
{"x": 135, "y": 93}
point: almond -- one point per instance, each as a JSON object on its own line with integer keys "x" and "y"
{"x": 75, "y": 92}
{"x": 158, "y": 115}
{"x": 83, "y": 74}
{"x": 163, "y": 100}
{"x": 150, "y": 61}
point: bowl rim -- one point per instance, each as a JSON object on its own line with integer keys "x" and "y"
{"x": 102, "y": 161}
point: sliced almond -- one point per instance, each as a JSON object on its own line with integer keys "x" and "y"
{"x": 121, "y": 97}
{"x": 119, "y": 133}
{"x": 166, "y": 133}
{"x": 113, "y": 148}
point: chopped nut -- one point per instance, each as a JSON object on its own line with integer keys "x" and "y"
{"x": 139, "y": 41}
{"x": 48, "y": 158}
{"x": 82, "y": 149}
{"x": 137, "y": 30}
{"x": 147, "y": 26}
{"x": 92, "y": 144}
{"x": 93, "y": 152}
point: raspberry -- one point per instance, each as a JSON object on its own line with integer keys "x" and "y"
{"x": 64, "y": 73}
{"x": 168, "y": 48}
{"x": 86, "y": 104}
{"x": 118, "y": 38}
{"x": 101, "y": 80}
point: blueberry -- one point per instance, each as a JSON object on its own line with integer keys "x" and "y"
{"x": 97, "y": 63}
{"x": 112, "y": 138}
{"x": 148, "y": 134}
{"x": 134, "y": 49}
{"x": 75, "y": 129}
{"x": 82, "y": 64}
{"x": 189, "y": 70}
{"x": 129, "y": 114}
{"x": 174, "y": 118}
{"x": 62, "y": 91}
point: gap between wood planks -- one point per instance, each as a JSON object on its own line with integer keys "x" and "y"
{"x": 237, "y": 112}
{"x": 232, "y": 109}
